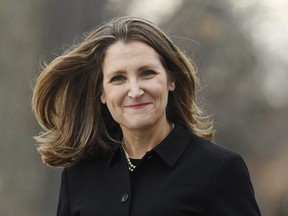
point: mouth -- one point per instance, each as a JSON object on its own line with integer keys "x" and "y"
{"x": 138, "y": 105}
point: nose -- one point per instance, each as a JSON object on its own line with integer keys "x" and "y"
{"x": 135, "y": 91}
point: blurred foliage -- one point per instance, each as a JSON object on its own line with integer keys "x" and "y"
{"x": 208, "y": 31}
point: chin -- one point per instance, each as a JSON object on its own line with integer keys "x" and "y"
{"x": 138, "y": 125}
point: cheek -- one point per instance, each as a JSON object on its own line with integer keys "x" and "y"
{"x": 113, "y": 99}
{"x": 161, "y": 94}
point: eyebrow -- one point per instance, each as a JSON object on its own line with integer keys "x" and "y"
{"x": 148, "y": 66}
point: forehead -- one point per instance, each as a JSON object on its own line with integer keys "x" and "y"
{"x": 131, "y": 53}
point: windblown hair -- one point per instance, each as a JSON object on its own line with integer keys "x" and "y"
{"x": 66, "y": 97}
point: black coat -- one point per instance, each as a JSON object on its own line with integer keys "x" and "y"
{"x": 183, "y": 175}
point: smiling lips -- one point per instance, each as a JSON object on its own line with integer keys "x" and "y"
{"x": 138, "y": 106}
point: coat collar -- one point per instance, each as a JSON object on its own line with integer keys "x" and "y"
{"x": 169, "y": 150}
{"x": 173, "y": 146}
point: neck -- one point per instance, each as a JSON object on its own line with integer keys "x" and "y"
{"x": 138, "y": 142}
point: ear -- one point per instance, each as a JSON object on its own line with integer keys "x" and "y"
{"x": 103, "y": 98}
{"x": 171, "y": 85}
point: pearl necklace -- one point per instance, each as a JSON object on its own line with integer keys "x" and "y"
{"x": 131, "y": 166}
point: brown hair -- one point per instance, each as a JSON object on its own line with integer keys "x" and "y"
{"x": 66, "y": 97}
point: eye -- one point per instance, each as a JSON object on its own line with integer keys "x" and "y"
{"x": 148, "y": 73}
{"x": 117, "y": 79}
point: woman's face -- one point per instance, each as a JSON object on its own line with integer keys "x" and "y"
{"x": 135, "y": 85}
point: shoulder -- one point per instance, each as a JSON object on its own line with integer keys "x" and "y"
{"x": 93, "y": 161}
{"x": 226, "y": 173}
{"x": 85, "y": 166}
{"x": 208, "y": 146}
{"x": 194, "y": 149}
{"x": 223, "y": 164}
{"x": 210, "y": 153}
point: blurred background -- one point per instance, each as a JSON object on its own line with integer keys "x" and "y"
{"x": 240, "y": 49}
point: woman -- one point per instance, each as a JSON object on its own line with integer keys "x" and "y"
{"x": 120, "y": 115}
